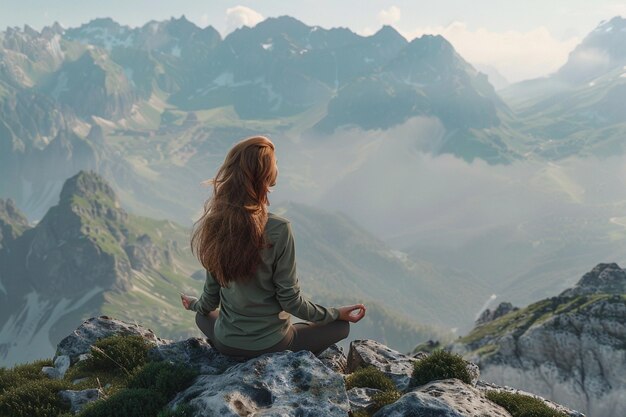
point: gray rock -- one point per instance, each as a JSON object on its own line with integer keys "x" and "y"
{"x": 80, "y": 341}
{"x": 445, "y": 398}
{"x": 78, "y": 399}
{"x": 392, "y": 363}
{"x": 486, "y": 387}
{"x": 51, "y": 372}
{"x": 275, "y": 384}
{"x": 61, "y": 365}
{"x": 334, "y": 359}
{"x": 195, "y": 353}
{"x": 361, "y": 398}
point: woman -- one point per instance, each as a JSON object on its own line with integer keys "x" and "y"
{"x": 249, "y": 256}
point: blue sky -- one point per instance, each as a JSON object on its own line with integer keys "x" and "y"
{"x": 521, "y": 39}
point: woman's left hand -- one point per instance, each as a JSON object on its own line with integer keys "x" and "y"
{"x": 187, "y": 300}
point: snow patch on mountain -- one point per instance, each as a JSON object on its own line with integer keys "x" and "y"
{"x": 27, "y": 333}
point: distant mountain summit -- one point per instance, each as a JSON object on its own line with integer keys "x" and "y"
{"x": 592, "y": 83}
{"x": 601, "y": 51}
{"x": 570, "y": 348}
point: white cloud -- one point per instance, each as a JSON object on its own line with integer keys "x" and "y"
{"x": 517, "y": 55}
{"x": 241, "y": 16}
{"x": 390, "y": 16}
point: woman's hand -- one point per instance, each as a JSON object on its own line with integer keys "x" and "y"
{"x": 186, "y": 300}
{"x": 352, "y": 313}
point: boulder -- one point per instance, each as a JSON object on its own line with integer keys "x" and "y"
{"x": 280, "y": 384}
{"x": 486, "y": 387}
{"x": 392, "y": 363}
{"x": 95, "y": 328}
{"x": 195, "y": 353}
{"x": 444, "y": 398}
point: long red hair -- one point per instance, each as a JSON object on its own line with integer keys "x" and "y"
{"x": 230, "y": 234}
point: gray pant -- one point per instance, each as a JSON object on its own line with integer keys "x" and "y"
{"x": 301, "y": 336}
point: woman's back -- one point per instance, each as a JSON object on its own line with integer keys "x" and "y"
{"x": 251, "y": 313}
{"x": 250, "y": 258}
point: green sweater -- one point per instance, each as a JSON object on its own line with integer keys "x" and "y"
{"x": 253, "y": 316}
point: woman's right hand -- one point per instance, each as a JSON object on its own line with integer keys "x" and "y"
{"x": 351, "y": 313}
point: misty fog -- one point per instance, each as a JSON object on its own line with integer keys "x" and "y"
{"x": 528, "y": 229}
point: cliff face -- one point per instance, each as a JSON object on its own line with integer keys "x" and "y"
{"x": 570, "y": 348}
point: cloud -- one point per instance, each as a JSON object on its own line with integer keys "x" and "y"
{"x": 390, "y": 16}
{"x": 517, "y": 55}
{"x": 241, "y": 16}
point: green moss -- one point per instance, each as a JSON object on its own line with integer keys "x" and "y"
{"x": 522, "y": 405}
{"x": 164, "y": 377}
{"x": 124, "y": 352}
{"x": 369, "y": 377}
{"x": 440, "y": 365}
{"x": 114, "y": 379}
{"x": 22, "y": 373}
{"x": 34, "y": 398}
{"x": 139, "y": 402}
{"x": 384, "y": 398}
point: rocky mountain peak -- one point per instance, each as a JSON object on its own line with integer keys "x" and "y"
{"x": 605, "y": 278}
{"x": 88, "y": 185}
{"x": 283, "y": 24}
{"x": 387, "y": 34}
{"x": 602, "y": 50}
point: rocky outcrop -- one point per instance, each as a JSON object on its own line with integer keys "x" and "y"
{"x": 603, "y": 279}
{"x": 284, "y": 383}
{"x": 445, "y": 398}
{"x": 489, "y": 315}
{"x": 570, "y": 349}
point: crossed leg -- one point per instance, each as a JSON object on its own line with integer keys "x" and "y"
{"x": 302, "y": 336}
